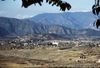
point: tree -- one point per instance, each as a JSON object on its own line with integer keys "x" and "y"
{"x": 59, "y": 3}
{"x": 96, "y": 10}
{"x": 63, "y": 5}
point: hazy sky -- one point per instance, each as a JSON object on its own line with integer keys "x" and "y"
{"x": 10, "y": 8}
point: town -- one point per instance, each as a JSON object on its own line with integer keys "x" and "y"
{"x": 30, "y": 42}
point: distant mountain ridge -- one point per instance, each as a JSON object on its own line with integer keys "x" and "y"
{"x": 49, "y": 24}
{"x": 75, "y": 20}
{"x": 12, "y": 26}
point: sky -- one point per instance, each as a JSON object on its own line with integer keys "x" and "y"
{"x": 10, "y": 8}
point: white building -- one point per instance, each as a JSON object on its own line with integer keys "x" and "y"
{"x": 55, "y": 43}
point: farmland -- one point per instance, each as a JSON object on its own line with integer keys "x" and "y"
{"x": 75, "y": 56}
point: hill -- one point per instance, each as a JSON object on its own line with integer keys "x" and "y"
{"x": 75, "y": 20}
{"x": 60, "y": 24}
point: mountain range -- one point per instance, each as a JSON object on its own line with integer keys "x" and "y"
{"x": 62, "y": 24}
{"x": 75, "y": 20}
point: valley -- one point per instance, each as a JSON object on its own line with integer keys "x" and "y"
{"x": 50, "y": 40}
{"x": 19, "y": 52}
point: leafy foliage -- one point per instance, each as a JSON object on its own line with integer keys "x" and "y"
{"x": 63, "y": 5}
{"x": 97, "y": 23}
{"x": 96, "y": 11}
{"x": 26, "y": 3}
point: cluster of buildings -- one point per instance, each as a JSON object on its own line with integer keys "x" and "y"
{"x": 29, "y": 42}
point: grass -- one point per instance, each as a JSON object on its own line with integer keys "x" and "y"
{"x": 54, "y": 57}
